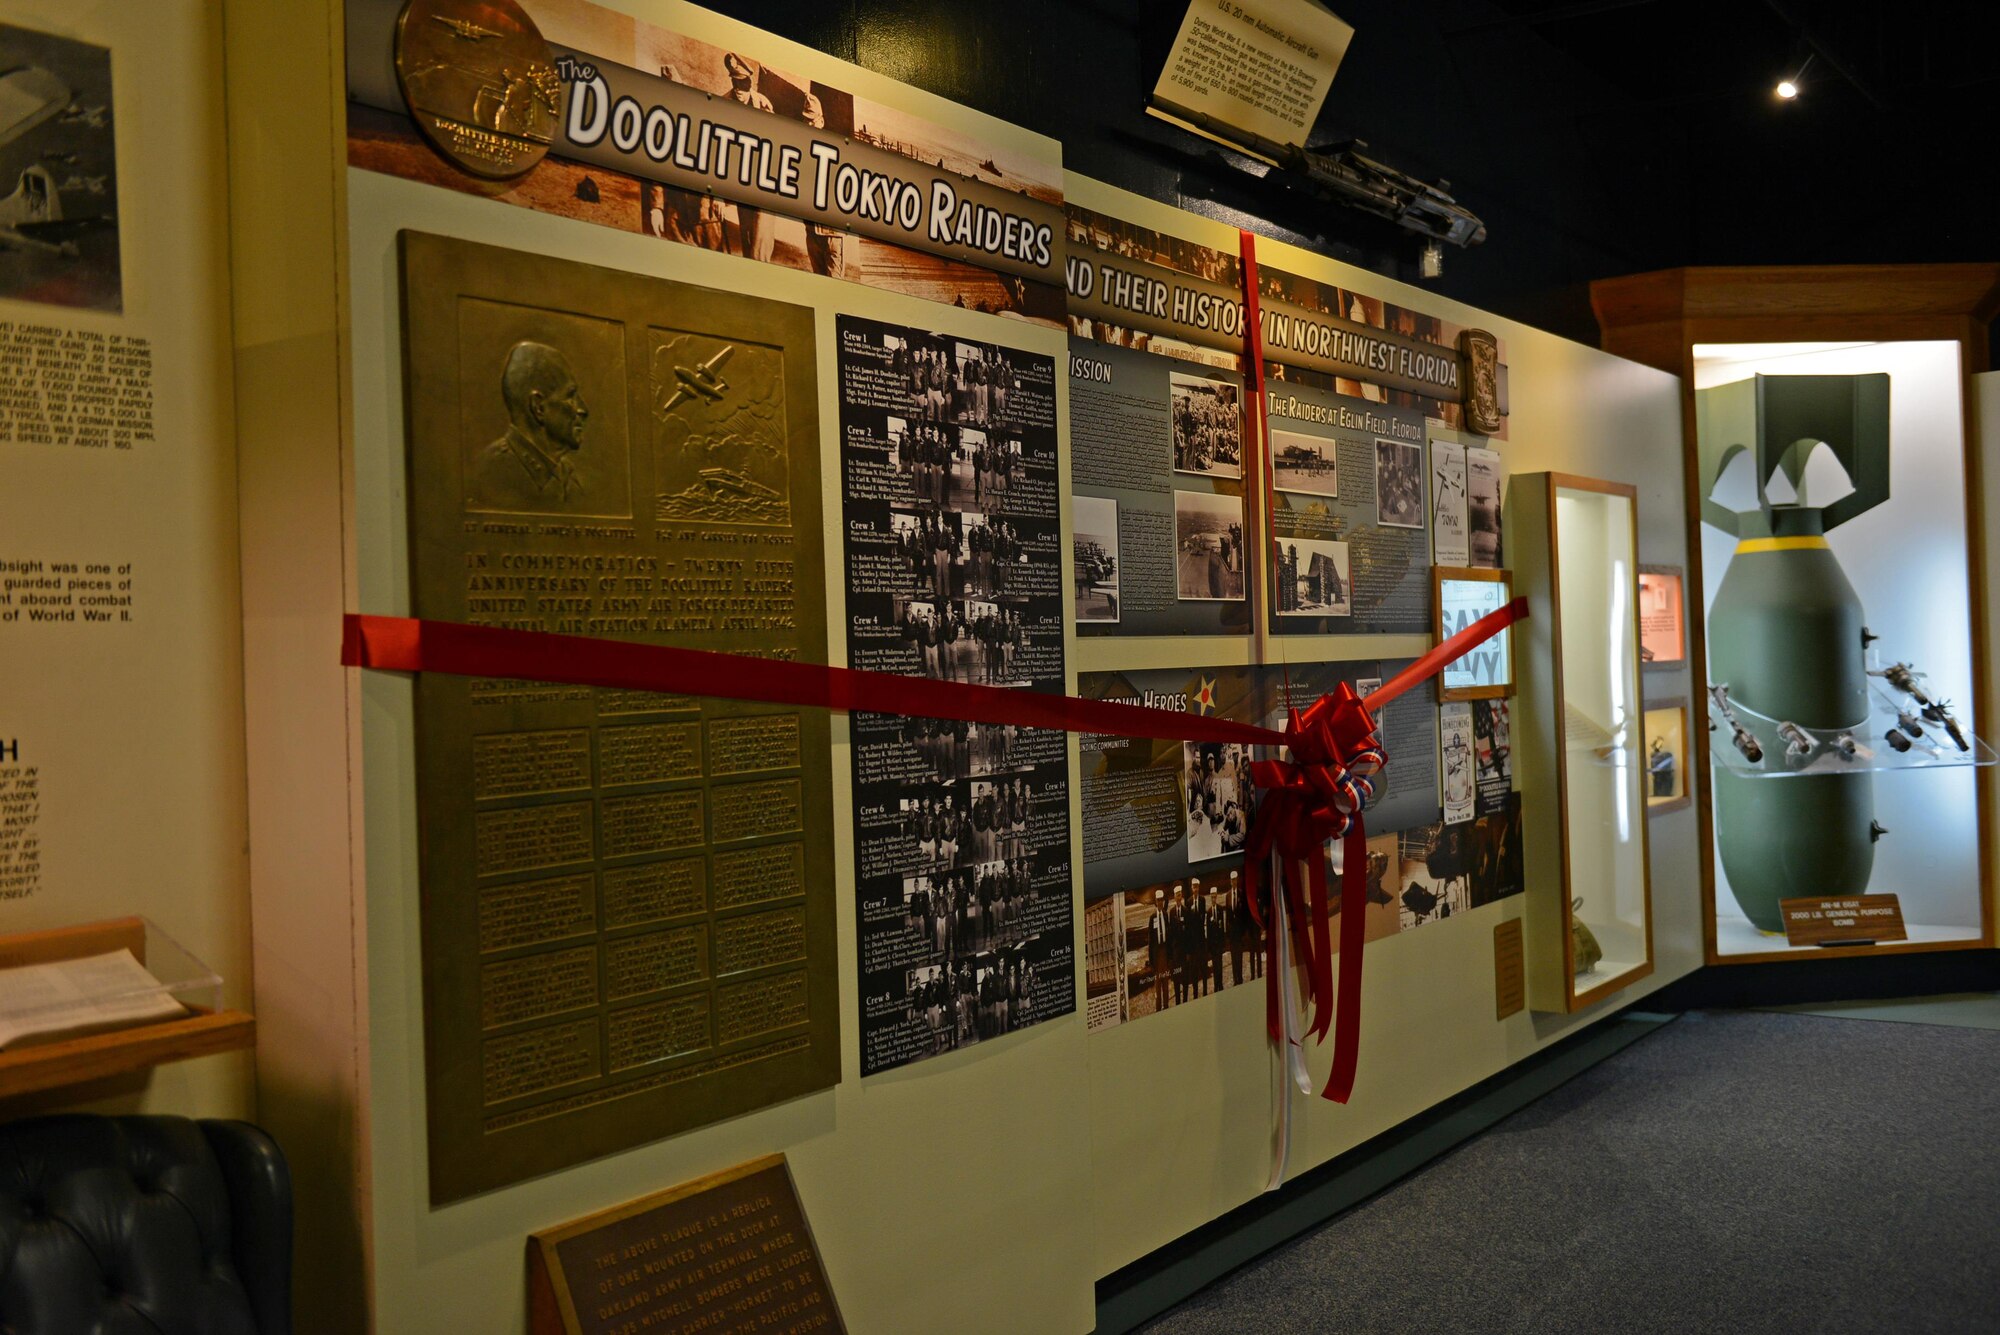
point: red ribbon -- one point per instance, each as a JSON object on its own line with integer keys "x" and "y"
{"x": 1316, "y": 795}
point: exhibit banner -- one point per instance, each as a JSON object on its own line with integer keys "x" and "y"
{"x": 587, "y": 112}
{"x": 1137, "y": 287}
{"x": 953, "y": 543}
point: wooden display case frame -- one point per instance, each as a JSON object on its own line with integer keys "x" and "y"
{"x": 1657, "y": 319}
{"x": 1552, "y": 980}
{"x": 118, "y": 1053}
{"x": 1670, "y": 805}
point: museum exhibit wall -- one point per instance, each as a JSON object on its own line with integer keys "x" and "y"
{"x": 1026, "y": 1166}
{"x": 121, "y": 704}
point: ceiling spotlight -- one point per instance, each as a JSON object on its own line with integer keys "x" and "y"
{"x": 1788, "y": 87}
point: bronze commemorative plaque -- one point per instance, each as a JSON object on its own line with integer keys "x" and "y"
{"x": 479, "y": 82}
{"x": 728, "y": 1252}
{"x": 627, "y": 898}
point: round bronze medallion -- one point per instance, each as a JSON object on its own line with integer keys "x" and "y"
{"x": 479, "y": 82}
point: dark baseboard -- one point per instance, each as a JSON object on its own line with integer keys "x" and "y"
{"x": 1149, "y": 1286}
{"x": 1844, "y": 978}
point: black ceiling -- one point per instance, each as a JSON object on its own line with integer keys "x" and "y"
{"x": 1596, "y": 137}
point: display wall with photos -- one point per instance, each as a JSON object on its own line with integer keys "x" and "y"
{"x": 992, "y": 930}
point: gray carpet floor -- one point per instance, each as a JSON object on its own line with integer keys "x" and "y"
{"x": 1737, "y": 1172}
{"x": 1974, "y": 1010}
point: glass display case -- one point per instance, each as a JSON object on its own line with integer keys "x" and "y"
{"x": 1580, "y": 748}
{"x": 1838, "y": 650}
{"x": 1838, "y": 663}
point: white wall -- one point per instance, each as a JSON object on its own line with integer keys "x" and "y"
{"x": 137, "y": 728}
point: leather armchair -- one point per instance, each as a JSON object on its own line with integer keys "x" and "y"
{"x": 143, "y": 1226}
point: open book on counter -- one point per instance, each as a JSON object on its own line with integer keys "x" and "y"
{"x": 45, "y": 1003}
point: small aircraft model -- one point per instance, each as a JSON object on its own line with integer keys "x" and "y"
{"x": 1740, "y": 735}
{"x": 1908, "y": 723}
{"x": 1904, "y": 678}
{"x": 1894, "y": 737}
{"x": 1939, "y": 712}
{"x": 1798, "y": 742}
{"x": 703, "y": 381}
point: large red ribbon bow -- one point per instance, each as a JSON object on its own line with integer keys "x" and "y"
{"x": 1317, "y": 795}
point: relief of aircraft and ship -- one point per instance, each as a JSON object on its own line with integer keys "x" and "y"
{"x": 750, "y": 431}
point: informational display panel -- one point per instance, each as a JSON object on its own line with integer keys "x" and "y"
{"x": 1158, "y": 478}
{"x": 1349, "y": 522}
{"x": 954, "y": 572}
{"x": 731, "y": 1251}
{"x": 1261, "y": 66}
{"x": 627, "y": 917}
{"x": 1165, "y": 919}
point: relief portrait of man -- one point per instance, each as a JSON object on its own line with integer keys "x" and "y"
{"x": 536, "y": 466}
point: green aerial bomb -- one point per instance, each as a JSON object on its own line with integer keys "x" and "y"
{"x": 1786, "y": 642}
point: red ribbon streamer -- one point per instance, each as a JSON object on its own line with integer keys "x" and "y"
{"x": 408, "y": 644}
{"x": 1255, "y": 409}
{"x": 1315, "y": 796}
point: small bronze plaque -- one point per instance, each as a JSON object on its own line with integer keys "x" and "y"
{"x": 1510, "y": 980}
{"x": 1482, "y": 380}
{"x": 1851, "y": 921}
{"x": 480, "y": 83}
{"x": 727, "y": 1252}
{"x": 628, "y": 924}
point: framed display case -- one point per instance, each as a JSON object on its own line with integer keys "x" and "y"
{"x": 1581, "y": 738}
{"x": 1666, "y": 727}
{"x": 1460, "y": 595}
{"x": 1815, "y": 396}
{"x": 1662, "y": 617}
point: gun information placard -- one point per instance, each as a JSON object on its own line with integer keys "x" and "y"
{"x": 1261, "y": 66}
